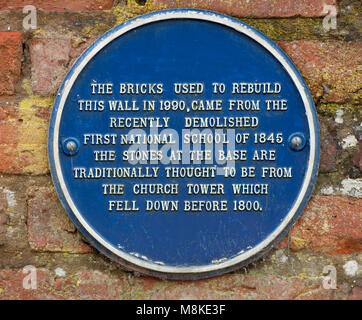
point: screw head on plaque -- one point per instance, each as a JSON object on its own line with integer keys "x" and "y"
{"x": 183, "y": 144}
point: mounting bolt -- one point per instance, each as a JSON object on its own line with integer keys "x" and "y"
{"x": 70, "y": 146}
{"x": 297, "y": 141}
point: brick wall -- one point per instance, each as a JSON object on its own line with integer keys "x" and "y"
{"x": 35, "y": 230}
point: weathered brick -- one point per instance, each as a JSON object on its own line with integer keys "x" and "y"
{"x": 7, "y": 156}
{"x": 356, "y": 294}
{"x": 93, "y": 284}
{"x": 99, "y": 285}
{"x": 328, "y": 145}
{"x": 9, "y": 140}
{"x": 255, "y": 8}
{"x": 57, "y": 5}
{"x": 49, "y": 64}
{"x": 3, "y": 202}
{"x": 3, "y": 221}
{"x": 23, "y": 136}
{"x": 11, "y": 285}
{"x": 233, "y": 287}
{"x": 50, "y": 60}
{"x": 8, "y": 132}
{"x": 81, "y": 285}
{"x": 10, "y": 61}
{"x": 329, "y": 224}
{"x": 357, "y": 158}
{"x": 3, "y": 217}
{"x": 49, "y": 228}
{"x": 336, "y": 65}
{"x": 24, "y": 126}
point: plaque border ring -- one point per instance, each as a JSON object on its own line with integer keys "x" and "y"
{"x": 189, "y": 272}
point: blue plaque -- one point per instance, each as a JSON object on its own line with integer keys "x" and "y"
{"x": 183, "y": 144}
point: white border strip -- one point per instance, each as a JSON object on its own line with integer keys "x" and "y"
{"x": 240, "y": 28}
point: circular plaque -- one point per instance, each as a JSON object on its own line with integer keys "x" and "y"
{"x": 183, "y": 144}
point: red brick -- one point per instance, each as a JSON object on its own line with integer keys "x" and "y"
{"x": 328, "y": 145}
{"x": 356, "y": 294}
{"x": 7, "y": 111}
{"x": 232, "y": 287}
{"x": 336, "y": 64}
{"x": 357, "y": 159}
{"x": 8, "y": 132}
{"x": 49, "y": 64}
{"x": 9, "y": 138}
{"x": 49, "y": 228}
{"x": 58, "y": 5}
{"x": 3, "y": 114}
{"x": 98, "y": 285}
{"x": 284, "y": 288}
{"x": 15, "y": 159}
{"x": 252, "y": 8}
{"x": 50, "y": 61}
{"x": 23, "y": 136}
{"x": 10, "y": 61}
{"x": 94, "y": 284}
{"x": 78, "y": 50}
{"x": 3, "y": 202}
{"x": 3, "y": 221}
{"x": 3, "y": 217}
{"x": 11, "y": 285}
{"x": 329, "y": 224}
{"x": 7, "y": 155}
